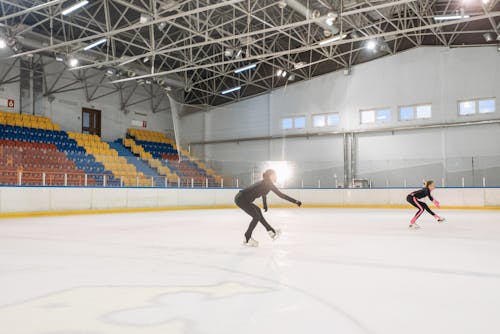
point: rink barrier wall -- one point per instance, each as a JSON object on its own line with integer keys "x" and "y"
{"x": 39, "y": 201}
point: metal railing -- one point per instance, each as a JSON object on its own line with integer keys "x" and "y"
{"x": 68, "y": 179}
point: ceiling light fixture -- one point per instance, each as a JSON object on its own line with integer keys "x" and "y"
{"x": 450, "y": 17}
{"x": 73, "y": 62}
{"x": 76, "y": 6}
{"x": 333, "y": 39}
{"x": 231, "y": 90}
{"x": 97, "y": 43}
{"x": 246, "y": 68}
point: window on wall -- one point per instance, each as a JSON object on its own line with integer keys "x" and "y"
{"x": 424, "y": 111}
{"x": 486, "y": 106}
{"x": 467, "y": 108}
{"x": 367, "y": 116}
{"x": 333, "y": 119}
{"x": 321, "y": 121}
{"x": 299, "y": 122}
{"x": 477, "y": 106}
{"x": 289, "y": 123}
{"x": 383, "y": 115}
{"x": 377, "y": 115}
{"x": 406, "y": 113}
{"x": 419, "y": 111}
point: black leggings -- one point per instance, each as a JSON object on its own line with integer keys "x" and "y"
{"x": 421, "y": 206}
{"x": 254, "y": 212}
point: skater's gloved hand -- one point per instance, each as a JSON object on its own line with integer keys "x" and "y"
{"x": 299, "y": 203}
{"x": 265, "y": 209}
{"x": 436, "y": 203}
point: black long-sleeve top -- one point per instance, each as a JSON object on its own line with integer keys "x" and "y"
{"x": 424, "y": 192}
{"x": 262, "y": 188}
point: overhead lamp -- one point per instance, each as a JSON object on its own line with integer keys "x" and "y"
{"x": 450, "y": 17}
{"x": 238, "y": 54}
{"x": 278, "y": 73}
{"x": 131, "y": 74}
{"x": 331, "y": 17}
{"x": 246, "y": 68}
{"x": 333, "y": 39}
{"x": 110, "y": 72}
{"x": 145, "y": 18}
{"x": 3, "y": 43}
{"x": 283, "y": 74}
{"x": 73, "y": 62}
{"x": 228, "y": 53}
{"x": 59, "y": 59}
{"x": 486, "y": 2}
{"x": 162, "y": 26}
{"x": 145, "y": 60}
{"x": 76, "y": 6}
{"x": 140, "y": 82}
{"x": 299, "y": 65}
{"x": 371, "y": 45}
{"x": 148, "y": 82}
{"x": 93, "y": 45}
{"x": 488, "y": 37}
{"x": 231, "y": 90}
{"x": 168, "y": 88}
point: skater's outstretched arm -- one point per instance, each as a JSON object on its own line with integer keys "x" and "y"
{"x": 433, "y": 200}
{"x": 264, "y": 202}
{"x": 284, "y": 196}
{"x": 429, "y": 194}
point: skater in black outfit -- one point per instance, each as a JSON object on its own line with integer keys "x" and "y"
{"x": 413, "y": 199}
{"x": 244, "y": 199}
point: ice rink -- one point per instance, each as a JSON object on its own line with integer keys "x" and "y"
{"x": 332, "y": 271}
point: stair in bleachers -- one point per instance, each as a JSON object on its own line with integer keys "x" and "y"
{"x": 164, "y": 149}
{"x": 151, "y": 161}
{"x": 122, "y": 170}
{"x": 132, "y": 159}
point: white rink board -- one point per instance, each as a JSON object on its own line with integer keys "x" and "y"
{"x": 65, "y": 199}
{"x": 36, "y": 199}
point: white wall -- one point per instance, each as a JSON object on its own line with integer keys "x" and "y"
{"x": 66, "y": 109}
{"x": 436, "y": 75}
{"x": 25, "y": 199}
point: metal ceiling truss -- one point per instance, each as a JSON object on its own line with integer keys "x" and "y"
{"x": 200, "y": 43}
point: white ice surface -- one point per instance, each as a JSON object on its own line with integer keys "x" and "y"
{"x": 332, "y": 271}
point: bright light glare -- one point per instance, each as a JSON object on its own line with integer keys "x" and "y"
{"x": 73, "y": 62}
{"x": 284, "y": 170}
{"x": 371, "y": 44}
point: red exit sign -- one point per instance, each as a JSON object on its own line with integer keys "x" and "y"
{"x": 7, "y": 103}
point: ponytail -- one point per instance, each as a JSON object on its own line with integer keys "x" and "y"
{"x": 428, "y": 183}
